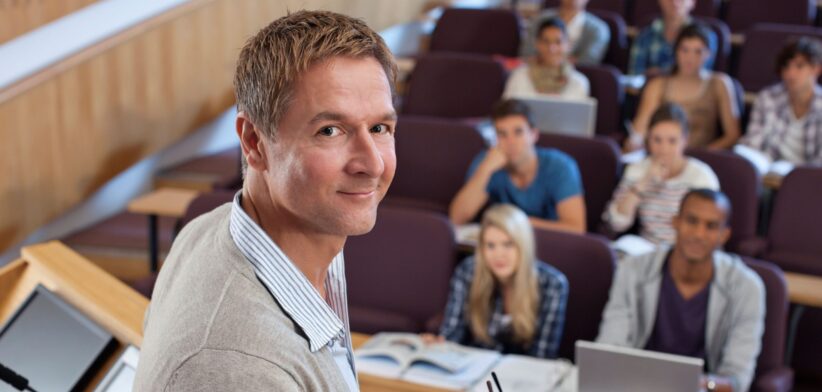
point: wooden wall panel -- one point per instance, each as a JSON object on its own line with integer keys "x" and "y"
{"x": 69, "y": 129}
{"x": 21, "y": 16}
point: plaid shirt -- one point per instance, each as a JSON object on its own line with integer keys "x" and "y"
{"x": 553, "y": 289}
{"x": 769, "y": 122}
{"x": 650, "y": 49}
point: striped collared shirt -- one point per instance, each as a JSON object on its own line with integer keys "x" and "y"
{"x": 324, "y": 320}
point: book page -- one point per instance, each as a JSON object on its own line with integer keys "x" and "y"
{"x": 387, "y": 354}
{"x": 478, "y": 363}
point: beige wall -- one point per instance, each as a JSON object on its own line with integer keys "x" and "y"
{"x": 71, "y": 128}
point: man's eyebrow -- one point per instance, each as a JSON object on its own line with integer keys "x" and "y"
{"x": 333, "y": 116}
{"x": 327, "y": 116}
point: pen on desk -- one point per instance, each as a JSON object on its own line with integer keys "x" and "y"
{"x": 488, "y": 384}
{"x": 496, "y": 381}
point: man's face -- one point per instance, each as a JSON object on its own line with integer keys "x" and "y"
{"x": 700, "y": 229}
{"x": 332, "y": 158}
{"x": 679, "y": 8}
{"x": 515, "y": 138}
{"x": 799, "y": 74}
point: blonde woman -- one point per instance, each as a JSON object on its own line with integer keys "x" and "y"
{"x": 503, "y": 298}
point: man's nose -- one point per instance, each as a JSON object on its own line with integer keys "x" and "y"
{"x": 366, "y": 156}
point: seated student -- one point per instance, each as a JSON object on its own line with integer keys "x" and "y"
{"x": 549, "y": 72}
{"x": 651, "y": 52}
{"x": 653, "y": 187}
{"x": 544, "y": 182}
{"x": 588, "y": 35}
{"x": 708, "y": 97}
{"x": 503, "y": 298}
{"x": 692, "y": 299}
{"x": 786, "y": 122}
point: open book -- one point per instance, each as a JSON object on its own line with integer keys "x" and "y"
{"x": 443, "y": 365}
{"x": 764, "y": 165}
{"x": 632, "y": 245}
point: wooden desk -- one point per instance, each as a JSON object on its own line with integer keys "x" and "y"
{"x": 169, "y": 202}
{"x": 101, "y": 297}
{"x": 804, "y": 289}
{"x": 369, "y": 383}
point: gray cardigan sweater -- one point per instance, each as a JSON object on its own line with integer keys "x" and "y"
{"x": 212, "y": 326}
{"x": 735, "y": 321}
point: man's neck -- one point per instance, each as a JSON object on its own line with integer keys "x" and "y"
{"x": 568, "y": 13}
{"x": 311, "y": 252}
{"x": 672, "y": 24}
{"x": 524, "y": 173}
{"x": 690, "y": 276}
{"x": 801, "y": 101}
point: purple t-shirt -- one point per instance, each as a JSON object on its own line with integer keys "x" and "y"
{"x": 680, "y": 324}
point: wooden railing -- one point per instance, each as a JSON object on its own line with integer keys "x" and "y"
{"x": 21, "y": 16}
{"x": 69, "y": 129}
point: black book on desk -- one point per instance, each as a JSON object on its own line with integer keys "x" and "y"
{"x": 52, "y": 344}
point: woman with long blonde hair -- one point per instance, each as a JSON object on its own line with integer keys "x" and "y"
{"x": 503, "y": 298}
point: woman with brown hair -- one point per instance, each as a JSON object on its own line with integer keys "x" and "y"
{"x": 503, "y": 298}
{"x": 708, "y": 97}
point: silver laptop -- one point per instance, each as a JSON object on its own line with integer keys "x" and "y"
{"x": 603, "y": 367}
{"x": 563, "y": 116}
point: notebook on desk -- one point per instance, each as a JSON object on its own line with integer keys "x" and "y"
{"x": 604, "y": 367}
{"x": 563, "y": 116}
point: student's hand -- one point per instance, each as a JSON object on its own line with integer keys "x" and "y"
{"x": 656, "y": 174}
{"x": 429, "y": 338}
{"x": 635, "y": 141}
{"x": 494, "y": 160}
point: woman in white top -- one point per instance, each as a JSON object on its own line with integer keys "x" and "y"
{"x": 549, "y": 72}
{"x": 653, "y": 188}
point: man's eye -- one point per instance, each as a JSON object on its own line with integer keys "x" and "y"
{"x": 379, "y": 128}
{"x": 328, "y": 131}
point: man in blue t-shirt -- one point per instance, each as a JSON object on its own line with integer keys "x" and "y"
{"x": 543, "y": 182}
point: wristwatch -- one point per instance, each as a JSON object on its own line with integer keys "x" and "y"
{"x": 710, "y": 386}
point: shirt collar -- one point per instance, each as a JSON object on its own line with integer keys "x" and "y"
{"x": 286, "y": 283}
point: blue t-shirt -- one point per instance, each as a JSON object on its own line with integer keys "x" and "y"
{"x": 557, "y": 179}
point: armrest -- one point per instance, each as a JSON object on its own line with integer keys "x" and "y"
{"x": 775, "y": 380}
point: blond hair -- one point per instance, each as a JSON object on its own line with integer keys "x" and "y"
{"x": 272, "y": 61}
{"x": 524, "y": 285}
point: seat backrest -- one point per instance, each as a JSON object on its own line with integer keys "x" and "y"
{"x": 609, "y": 93}
{"x": 479, "y": 31}
{"x": 588, "y": 263}
{"x": 739, "y": 180}
{"x": 794, "y": 240}
{"x": 742, "y": 15}
{"x": 403, "y": 265}
{"x": 772, "y": 354}
{"x": 433, "y": 156}
{"x": 454, "y": 85}
{"x": 757, "y": 59}
{"x": 618, "y": 46}
{"x": 599, "y": 165}
{"x": 205, "y": 203}
{"x": 723, "y": 41}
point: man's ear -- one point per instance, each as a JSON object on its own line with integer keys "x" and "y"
{"x": 534, "y": 133}
{"x": 725, "y": 235}
{"x": 251, "y": 142}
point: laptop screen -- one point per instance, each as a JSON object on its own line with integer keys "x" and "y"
{"x": 52, "y": 344}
